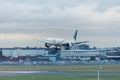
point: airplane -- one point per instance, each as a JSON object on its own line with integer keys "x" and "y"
{"x": 62, "y": 42}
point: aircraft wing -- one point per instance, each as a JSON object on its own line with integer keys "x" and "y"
{"x": 72, "y": 43}
{"x": 81, "y": 42}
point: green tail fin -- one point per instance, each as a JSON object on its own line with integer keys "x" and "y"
{"x": 75, "y": 35}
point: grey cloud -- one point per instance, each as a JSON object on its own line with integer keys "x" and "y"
{"x": 59, "y": 17}
{"x": 45, "y": 12}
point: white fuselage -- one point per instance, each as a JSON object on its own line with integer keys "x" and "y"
{"x": 54, "y": 41}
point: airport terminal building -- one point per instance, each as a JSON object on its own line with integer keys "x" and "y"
{"x": 80, "y": 53}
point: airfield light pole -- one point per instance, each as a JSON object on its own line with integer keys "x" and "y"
{"x": 98, "y": 74}
{"x": 99, "y": 67}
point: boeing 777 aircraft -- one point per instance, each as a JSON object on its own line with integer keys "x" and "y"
{"x": 62, "y": 42}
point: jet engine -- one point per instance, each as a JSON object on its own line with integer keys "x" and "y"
{"x": 67, "y": 46}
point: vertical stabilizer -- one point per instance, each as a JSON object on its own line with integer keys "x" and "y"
{"x": 75, "y": 35}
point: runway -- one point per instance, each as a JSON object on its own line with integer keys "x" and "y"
{"x": 14, "y": 73}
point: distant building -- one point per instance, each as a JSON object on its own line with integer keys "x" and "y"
{"x": 81, "y": 54}
{"x": 15, "y": 53}
{"x": 33, "y": 54}
{"x": 113, "y": 55}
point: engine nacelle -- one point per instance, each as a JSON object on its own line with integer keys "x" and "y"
{"x": 67, "y": 46}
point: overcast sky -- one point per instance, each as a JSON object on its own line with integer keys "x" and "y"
{"x": 23, "y": 21}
